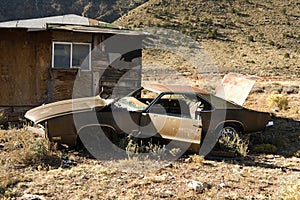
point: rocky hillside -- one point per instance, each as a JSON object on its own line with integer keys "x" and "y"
{"x": 248, "y": 36}
{"x": 106, "y": 10}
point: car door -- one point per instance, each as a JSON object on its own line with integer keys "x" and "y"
{"x": 170, "y": 117}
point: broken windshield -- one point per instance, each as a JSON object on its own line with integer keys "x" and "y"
{"x": 131, "y": 104}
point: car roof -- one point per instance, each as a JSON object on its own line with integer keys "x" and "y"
{"x": 218, "y": 102}
{"x": 160, "y": 88}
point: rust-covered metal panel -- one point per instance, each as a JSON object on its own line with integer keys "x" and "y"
{"x": 62, "y": 130}
{"x": 235, "y": 87}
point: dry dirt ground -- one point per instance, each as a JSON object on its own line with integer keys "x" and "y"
{"x": 72, "y": 174}
{"x": 271, "y": 170}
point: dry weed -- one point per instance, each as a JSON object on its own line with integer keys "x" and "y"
{"x": 235, "y": 143}
{"x": 196, "y": 158}
{"x": 277, "y": 100}
{"x": 30, "y": 149}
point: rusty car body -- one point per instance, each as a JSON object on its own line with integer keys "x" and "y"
{"x": 181, "y": 113}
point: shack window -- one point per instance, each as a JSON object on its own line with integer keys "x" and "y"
{"x": 71, "y": 55}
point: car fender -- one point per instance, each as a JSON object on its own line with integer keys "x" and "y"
{"x": 221, "y": 124}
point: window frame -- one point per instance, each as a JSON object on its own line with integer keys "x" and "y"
{"x": 71, "y": 54}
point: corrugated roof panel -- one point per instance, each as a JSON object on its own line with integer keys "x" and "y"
{"x": 41, "y": 23}
{"x": 69, "y": 22}
{"x": 94, "y": 29}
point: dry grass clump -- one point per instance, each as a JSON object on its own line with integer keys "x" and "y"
{"x": 3, "y": 115}
{"x": 21, "y": 149}
{"x": 34, "y": 150}
{"x": 297, "y": 154}
{"x": 136, "y": 147}
{"x": 235, "y": 144}
{"x": 197, "y": 158}
{"x": 277, "y": 100}
{"x": 30, "y": 149}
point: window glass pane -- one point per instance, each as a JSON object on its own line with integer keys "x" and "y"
{"x": 80, "y": 57}
{"x": 62, "y": 53}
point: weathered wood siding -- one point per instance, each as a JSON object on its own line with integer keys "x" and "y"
{"x": 61, "y": 85}
{"x": 27, "y": 78}
{"x": 24, "y": 62}
{"x": 120, "y": 73}
{"x": 114, "y": 76}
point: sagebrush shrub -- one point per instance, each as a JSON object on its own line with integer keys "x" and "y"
{"x": 278, "y": 100}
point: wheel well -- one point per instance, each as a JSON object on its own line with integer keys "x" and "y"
{"x": 109, "y": 131}
{"x": 237, "y": 125}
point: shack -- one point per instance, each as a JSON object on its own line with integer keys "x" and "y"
{"x": 55, "y": 58}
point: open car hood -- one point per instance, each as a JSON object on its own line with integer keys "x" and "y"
{"x": 47, "y": 111}
{"x": 235, "y": 87}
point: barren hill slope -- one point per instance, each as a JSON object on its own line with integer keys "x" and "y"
{"x": 105, "y": 10}
{"x": 248, "y": 36}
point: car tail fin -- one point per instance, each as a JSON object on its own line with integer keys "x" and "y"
{"x": 235, "y": 87}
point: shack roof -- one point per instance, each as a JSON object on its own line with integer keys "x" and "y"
{"x": 68, "y": 22}
{"x": 93, "y": 29}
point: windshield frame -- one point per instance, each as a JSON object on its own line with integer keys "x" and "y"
{"x": 130, "y": 102}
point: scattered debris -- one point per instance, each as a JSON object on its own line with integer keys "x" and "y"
{"x": 32, "y": 197}
{"x": 66, "y": 162}
{"x": 198, "y": 186}
{"x": 158, "y": 179}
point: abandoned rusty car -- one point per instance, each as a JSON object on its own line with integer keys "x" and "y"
{"x": 178, "y": 113}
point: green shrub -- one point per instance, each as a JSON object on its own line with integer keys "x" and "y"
{"x": 280, "y": 141}
{"x": 285, "y": 35}
{"x": 287, "y": 55}
{"x": 232, "y": 10}
{"x": 283, "y": 11}
{"x": 272, "y": 43}
{"x": 212, "y": 34}
{"x": 250, "y": 38}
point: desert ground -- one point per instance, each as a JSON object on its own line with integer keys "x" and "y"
{"x": 257, "y": 38}
{"x": 32, "y": 169}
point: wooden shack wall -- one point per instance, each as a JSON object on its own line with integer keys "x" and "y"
{"x": 104, "y": 72}
{"x": 118, "y": 60}
{"x": 27, "y": 78}
{"x": 24, "y": 62}
{"x": 70, "y": 83}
